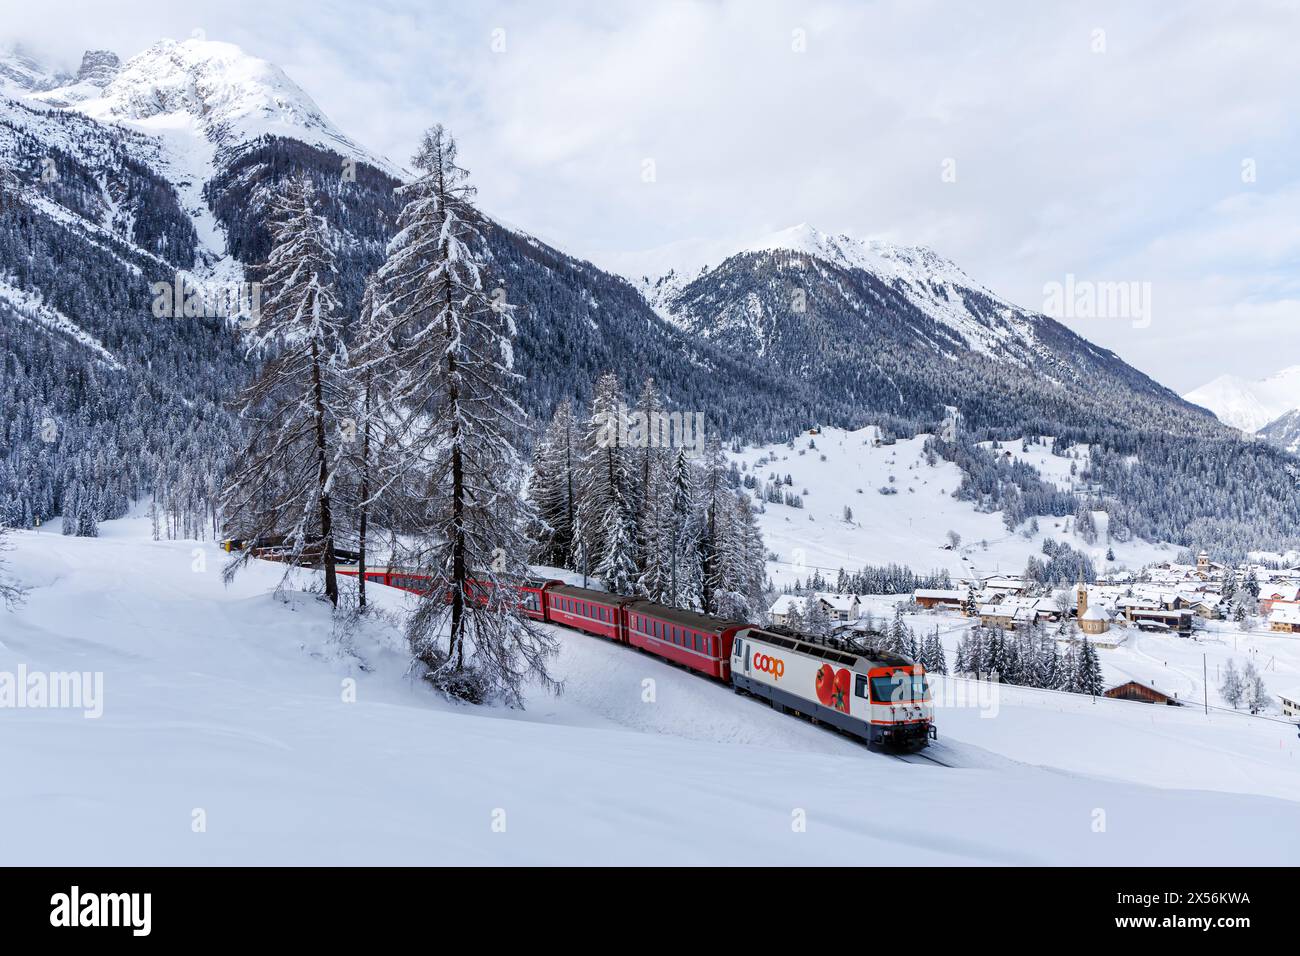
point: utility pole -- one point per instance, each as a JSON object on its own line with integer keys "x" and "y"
{"x": 1205, "y": 682}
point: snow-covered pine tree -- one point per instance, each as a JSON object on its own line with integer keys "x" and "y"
{"x": 713, "y": 503}
{"x": 815, "y": 618}
{"x": 961, "y": 665}
{"x": 1069, "y": 670}
{"x": 606, "y": 490}
{"x": 684, "y": 570}
{"x": 936, "y": 660}
{"x": 371, "y": 375}
{"x": 898, "y": 633}
{"x": 453, "y": 384}
{"x": 1050, "y": 668}
{"x": 747, "y": 562}
{"x": 553, "y": 489}
{"x": 1090, "y": 679}
{"x": 656, "y": 533}
{"x": 647, "y": 450}
{"x": 280, "y": 484}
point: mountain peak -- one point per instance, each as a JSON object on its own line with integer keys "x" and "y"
{"x": 1250, "y": 405}
{"x": 227, "y": 95}
{"x": 99, "y": 67}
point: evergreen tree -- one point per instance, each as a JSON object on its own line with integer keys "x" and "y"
{"x": 606, "y": 490}
{"x": 1090, "y": 680}
{"x": 453, "y": 382}
{"x": 685, "y": 572}
{"x": 553, "y": 489}
{"x": 281, "y": 487}
{"x": 815, "y": 619}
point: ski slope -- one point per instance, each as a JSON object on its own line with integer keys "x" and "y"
{"x": 230, "y": 703}
{"x": 908, "y": 528}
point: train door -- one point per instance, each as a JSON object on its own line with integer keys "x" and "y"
{"x": 740, "y": 654}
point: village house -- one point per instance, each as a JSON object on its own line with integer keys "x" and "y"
{"x": 1290, "y": 703}
{"x": 1010, "y": 613}
{"x": 1272, "y": 596}
{"x": 1285, "y": 620}
{"x": 932, "y": 598}
{"x": 839, "y": 607}
{"x": 1132, "y": 690}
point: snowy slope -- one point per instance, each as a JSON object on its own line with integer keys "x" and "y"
{"x": 1250, "y": 405}
{"x": 908, "y": 528}
{"x": 229, "y": 702}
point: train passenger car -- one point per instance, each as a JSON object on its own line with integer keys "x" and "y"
{"x": 880, "y": 697}
{"x": 401, "y": 578}
{"x": 533, "y": 594}
{"x": 698, "y": 641}
{"x": 532, "y": 591}
{"x": 596, "y": 612}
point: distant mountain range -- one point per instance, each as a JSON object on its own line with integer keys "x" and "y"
{"x": 134, "y": 173}
{"x": 1265, "y": 407}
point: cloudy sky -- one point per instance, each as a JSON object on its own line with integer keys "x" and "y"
{"x": 1146, "y": 142}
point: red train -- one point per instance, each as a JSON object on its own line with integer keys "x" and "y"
{"x": 879, "y": 697}
{"x": 697, "y": 641}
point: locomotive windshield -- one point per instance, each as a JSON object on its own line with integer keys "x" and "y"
{"x": 898, "y": 688}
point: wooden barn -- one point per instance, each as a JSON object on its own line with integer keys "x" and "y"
{"x": 1135, "y": 691}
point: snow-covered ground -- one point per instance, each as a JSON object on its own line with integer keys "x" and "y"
{"x": 909, "y": 528}
{"x": 230, "y": 707}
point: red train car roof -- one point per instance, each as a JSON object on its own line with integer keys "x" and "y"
{"x": 587, "y": 594}
{"x": 674, "y": 615}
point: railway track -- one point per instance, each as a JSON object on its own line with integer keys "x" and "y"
{"x": 920, "y": 758}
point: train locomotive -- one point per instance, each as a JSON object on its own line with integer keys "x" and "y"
{"x": 876, "y": 696}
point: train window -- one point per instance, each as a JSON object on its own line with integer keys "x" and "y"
{"x": 861, "y": 689}
{"x": 695, "y": 639}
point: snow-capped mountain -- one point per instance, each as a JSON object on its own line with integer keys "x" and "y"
{"x": 1284, "y": 432}
{"x": 925, "y": 278}
{"x": 897, "y": 329}
{"x": 1250, "y": 405}
{"x": 216, "y": 89}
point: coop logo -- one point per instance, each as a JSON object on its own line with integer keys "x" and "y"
{"x": 770, "y": 665}
{"x": 130, "y": 910}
